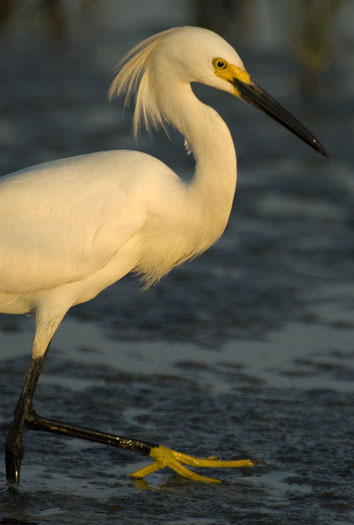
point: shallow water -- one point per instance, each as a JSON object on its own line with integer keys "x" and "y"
{"x": 246, "y": 352}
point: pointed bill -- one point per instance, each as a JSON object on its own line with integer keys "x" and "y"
{"x": 258, "y": 97}
{"x": 250, "y": 92}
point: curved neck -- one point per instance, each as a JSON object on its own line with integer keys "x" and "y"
{"x": 214, "y": 183}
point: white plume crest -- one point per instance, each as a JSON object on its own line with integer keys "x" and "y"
{"x": 135, "y": 76}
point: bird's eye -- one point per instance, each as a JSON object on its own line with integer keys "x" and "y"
{"x": 219, "y": 63}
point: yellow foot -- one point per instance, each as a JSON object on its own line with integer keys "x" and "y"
{"x": 165, "y": 457}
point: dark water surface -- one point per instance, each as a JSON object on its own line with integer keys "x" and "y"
{"x": 246, "y": 352}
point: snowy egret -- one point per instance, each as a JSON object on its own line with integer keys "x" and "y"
{"x": 72, "y": 227}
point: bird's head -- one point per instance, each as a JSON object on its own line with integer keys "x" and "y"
{"x": 184, "y": 55}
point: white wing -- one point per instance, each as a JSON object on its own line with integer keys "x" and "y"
{"x": 63, "y": 221}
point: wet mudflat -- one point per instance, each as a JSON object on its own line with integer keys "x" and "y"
{"x": 247, "y": 351}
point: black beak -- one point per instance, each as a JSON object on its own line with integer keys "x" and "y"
{"x": 255, "y": 95}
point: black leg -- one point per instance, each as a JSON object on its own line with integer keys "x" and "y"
{"x": 14, "y": 442}
{"x": 47, "y": 321}
{"x": 36, "y": 422}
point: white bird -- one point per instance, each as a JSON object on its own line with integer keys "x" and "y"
{"x": 72, "y": 227}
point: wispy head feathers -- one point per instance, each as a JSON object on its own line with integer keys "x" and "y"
{"x": 135, "y": 75}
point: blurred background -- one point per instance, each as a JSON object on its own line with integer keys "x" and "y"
{"x": 248, "y": 350}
